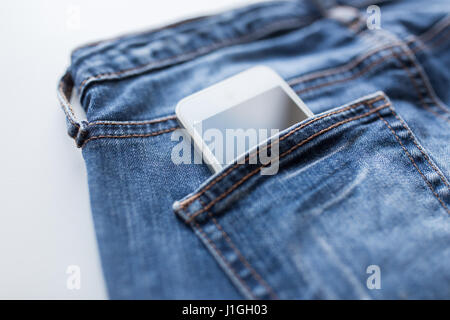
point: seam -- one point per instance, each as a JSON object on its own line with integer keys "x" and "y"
{"x": 197, "y": 226}
{"x": 436, "y": 29}
{"x": 414, "y": 163}
{"x": 420, "y": 148}
{"x": 356, "y": 75}
{"x": 419, "y": 94}
{"x": 126, "y": 123}
{"x": 424, "y": 79}
{"x": 420, "y": 46}
{"x": 432, "y": 96}
{"x": 431, "y": 33}
{"x": 410, "y": 56}
{"x": 130, "y": 135}
{"x": 290, "y": 23}
{"x": 241, "y": 257}
{"x": 358, "y": 60}
{"x": 186, "y": 202}
{"x": 370, "y": 66}
{"x": 304, "y": 141}
{"x": 341, "y": 69}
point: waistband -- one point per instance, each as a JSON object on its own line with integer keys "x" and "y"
{"x": 134, "y": 54}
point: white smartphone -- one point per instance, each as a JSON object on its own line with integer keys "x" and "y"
{"x": 236, "y": 108}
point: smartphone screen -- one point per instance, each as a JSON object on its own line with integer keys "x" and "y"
{"x": 237, "y": 126}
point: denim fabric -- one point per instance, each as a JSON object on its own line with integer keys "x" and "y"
{"x": 364, "y": 182}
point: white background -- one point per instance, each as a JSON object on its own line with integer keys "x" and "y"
{"x": 45, "y": 218}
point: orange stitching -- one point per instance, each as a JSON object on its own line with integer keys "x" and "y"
{"x": 414, "y": 163}
{"x": 341, "y": 69}
{"x": 130, "y": 135}
{"x": 367, "y": 69}
{"x": 422, "y": 46}
{"x": 223, "y": 259}
{"x": 431, "y": 33}
{"x": 356, "y": 75}
{"x": 257, "y": 277}
{"x": 424, "y": 80}
{"x": 445, "y": 23}
{"x": 352, "y": 64}
{"x": 347, "y": 67}
{"x": 186, "y": 202}
{"x": 246, "y": 177}
{"x": 133, "y": 122}
{"x": 420, "y": 148}
{"x": 424, "y": 104}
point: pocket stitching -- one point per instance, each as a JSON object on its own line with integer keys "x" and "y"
{"x": 412, "y": 160}
{"x": 444, "y": 180}
{"x": 192, "y": 216}
{"x": 240, "y": 256}
{"x": 419, "y": 94}
{"x": 195, "y": 225}
{"x": 186, "y": 202}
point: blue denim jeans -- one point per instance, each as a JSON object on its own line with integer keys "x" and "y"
{"x": 362, "y": 189}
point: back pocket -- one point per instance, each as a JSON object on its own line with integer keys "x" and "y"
{"x": 357, "y": 209}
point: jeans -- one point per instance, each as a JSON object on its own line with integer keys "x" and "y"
{"x": 359, "y": 208}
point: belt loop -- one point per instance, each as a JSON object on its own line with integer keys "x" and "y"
{"x": 75, "y": 128}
